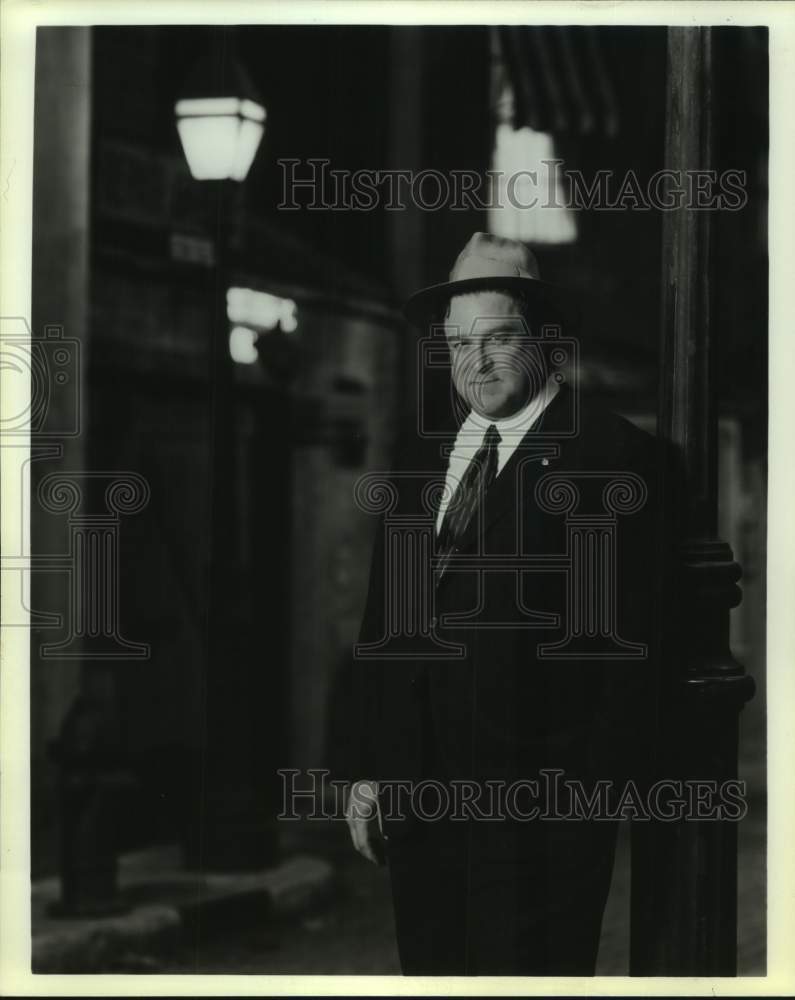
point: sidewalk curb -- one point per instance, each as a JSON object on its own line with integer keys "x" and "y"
{"x": 170, "y": 903}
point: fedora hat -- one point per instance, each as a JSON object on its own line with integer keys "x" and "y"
{"x": 493, "y": 263}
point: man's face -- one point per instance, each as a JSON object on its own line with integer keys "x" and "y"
{"x": 496, "y": 368}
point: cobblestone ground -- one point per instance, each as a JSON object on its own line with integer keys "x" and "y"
{"x": 353, "y": 933}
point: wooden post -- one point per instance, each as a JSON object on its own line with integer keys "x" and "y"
{"x": 60, "y": 310}
{"x": 684, "y": 873}
{"x": 406, "y": 228}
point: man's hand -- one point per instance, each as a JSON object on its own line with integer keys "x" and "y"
{"x": 361, "y": 815}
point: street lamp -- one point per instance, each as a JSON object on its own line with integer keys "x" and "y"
{"x": 220, "y": 135}
{"x": 220, "y": 121}
{"x": 220, "y": 128}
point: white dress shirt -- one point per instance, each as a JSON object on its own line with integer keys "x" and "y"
{"x": 472, "y": 432}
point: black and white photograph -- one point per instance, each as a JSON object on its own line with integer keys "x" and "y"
{"x": 392, "y": 588}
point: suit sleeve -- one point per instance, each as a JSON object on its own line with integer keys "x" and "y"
{"x": 365, "y": 701}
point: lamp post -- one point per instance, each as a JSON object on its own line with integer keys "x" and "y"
{"x": 220, "y": 126}
{"x": 684, "y": 877}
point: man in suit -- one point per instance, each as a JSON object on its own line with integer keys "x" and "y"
{"x": 504, "y": 658}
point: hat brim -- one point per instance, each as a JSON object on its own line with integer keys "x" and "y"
{"x": 426, "y": 304}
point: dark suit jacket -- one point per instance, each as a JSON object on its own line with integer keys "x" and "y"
{"x": 502, "y": 710}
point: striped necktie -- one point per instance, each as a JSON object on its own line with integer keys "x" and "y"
{"x": 478, "y": 476}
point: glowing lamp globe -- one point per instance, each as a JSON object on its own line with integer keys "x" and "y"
{"x": 219, "y": 135}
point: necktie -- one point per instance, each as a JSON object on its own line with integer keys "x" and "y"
{"x": 478, "y": 476}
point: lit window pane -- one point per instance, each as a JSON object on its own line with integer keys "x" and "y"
{"x": 530, "y": 202}
{"x": 261, "y": 309}
{"x": 243, "y": 345}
